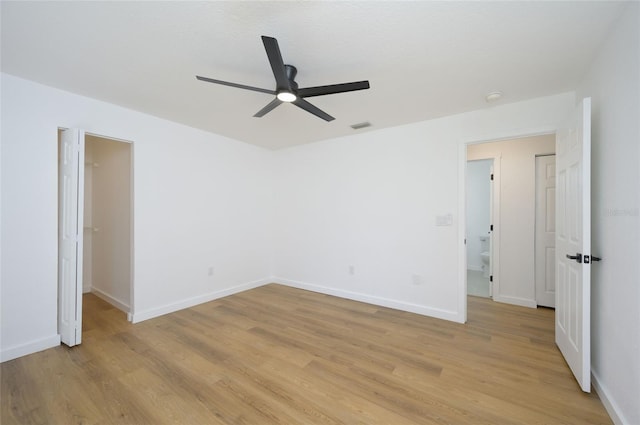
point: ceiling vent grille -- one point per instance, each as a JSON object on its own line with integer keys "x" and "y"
{"x": 361, "y": 125}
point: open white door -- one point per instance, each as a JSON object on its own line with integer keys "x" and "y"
{"x": 70, "y": 219}
{"x": 573, "y": 243}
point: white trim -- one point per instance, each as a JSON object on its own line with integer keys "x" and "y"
{"x": 609, "y": 404}
{"x": 29, "y": 348}
{"x": 462, "y": 235}
{"x": 132, "y": 224}
{"x": 502, "y": 137}
{"x": 190, "y": 302}
{"x": 119, "y": 304}
{"x": 524, "y": 302}
{"x": 474, "y": 268}
{"x": 450, "y": 315}
{"x": 495, "y": 238}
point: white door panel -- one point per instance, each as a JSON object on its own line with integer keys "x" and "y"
{"x": 70, "y": 207}
{"x": 573, "y": 243}
{"x": 545, "y": 231}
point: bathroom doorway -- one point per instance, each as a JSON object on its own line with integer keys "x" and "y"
{"x": 479, "y": 210}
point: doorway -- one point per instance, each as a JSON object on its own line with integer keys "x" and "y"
{"x": 512, "y": 228}
{"x": 96, "y": 226}
{"x": 107, "y": 218}
{"x": 478, "y": 216}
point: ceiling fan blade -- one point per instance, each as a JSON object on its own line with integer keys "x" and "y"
{"x": 333, "y": 89}
{"x": 240, "y": 86}
{"x": 301, "y": 103}
{"x": 277, "y": 65}
{"x": 270, "y": 107}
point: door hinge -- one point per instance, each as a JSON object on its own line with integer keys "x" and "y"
{"x": 492, "y": 177}
{"x": 491, "y": 278}
{"x": 491, "y": 228}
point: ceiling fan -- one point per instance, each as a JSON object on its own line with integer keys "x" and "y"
{"x": 286, "y": 88}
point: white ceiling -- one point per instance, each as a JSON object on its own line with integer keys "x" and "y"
{"x": 424, "y": 59}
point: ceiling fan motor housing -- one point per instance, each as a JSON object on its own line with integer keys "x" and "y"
{"x": 291, "y": 76}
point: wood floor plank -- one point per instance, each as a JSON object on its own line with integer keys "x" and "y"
{"x": 22, "y": 400}
{"x": 279, "y": 355}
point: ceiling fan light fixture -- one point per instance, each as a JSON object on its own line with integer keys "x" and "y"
{"x": 286, "y": 96}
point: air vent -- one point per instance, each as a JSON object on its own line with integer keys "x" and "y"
{"x": 361, "y": 125}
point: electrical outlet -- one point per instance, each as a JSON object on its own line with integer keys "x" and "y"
{"x": 416, "y": 279}
{"x": 352, "y": 269}
{"x": 211, "y": 271}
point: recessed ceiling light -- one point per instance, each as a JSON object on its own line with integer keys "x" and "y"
{"x": 493, "y": 96}
{"x": 286, "y": 96}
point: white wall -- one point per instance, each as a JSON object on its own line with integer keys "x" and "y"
{"x": 110, "y": 220}
{"x": 613, "y": 83}
{"x": 516, "y": 269}
{"x": 478, "y": 209}
{"x": 200, "y": 200}
{"x": 371, "y": 201}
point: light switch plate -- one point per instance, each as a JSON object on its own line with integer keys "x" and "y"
{"x": 444, "y": 220}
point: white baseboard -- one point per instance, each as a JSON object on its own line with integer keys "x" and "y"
{"x": 119, "y": 304}
{"x": 375, "y": 300}
{"x": 523, "y": 302}
{"x": 609, "y": 404}
{"x": 29, "y": 348}
{"x": 137, "y": 317}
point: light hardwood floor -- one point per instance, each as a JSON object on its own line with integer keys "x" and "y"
{"x": 286, "y": 356}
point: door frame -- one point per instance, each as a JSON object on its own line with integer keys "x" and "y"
{"x": 80, "y": 214}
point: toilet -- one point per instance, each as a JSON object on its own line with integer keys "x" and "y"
{"x": 485, "y": 255}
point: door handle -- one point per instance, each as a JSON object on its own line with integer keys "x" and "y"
{"x": 592, "y": 259}
{"x": 577, "y": 257}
